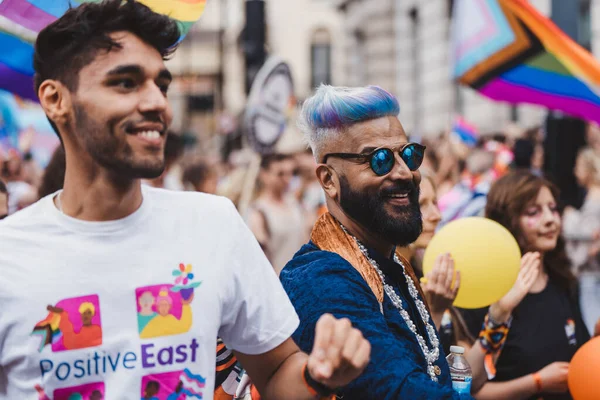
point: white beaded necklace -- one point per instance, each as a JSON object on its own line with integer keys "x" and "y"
{"x": 431, "y": 354}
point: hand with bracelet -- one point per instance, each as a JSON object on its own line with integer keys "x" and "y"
{"x": 340, "y": 354}
{"x": 497, "y": 320}
{"x": 552, "y": 378}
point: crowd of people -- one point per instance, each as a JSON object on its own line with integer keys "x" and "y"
{"x": 316, "y": 289}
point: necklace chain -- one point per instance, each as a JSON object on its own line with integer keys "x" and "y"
{"x": 431, "y": 354}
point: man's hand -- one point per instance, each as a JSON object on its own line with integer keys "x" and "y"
{"x": 53, "y": 309}
{"x": 340, "y": 352}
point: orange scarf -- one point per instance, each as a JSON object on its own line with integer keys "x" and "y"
{"x": 328, "y": 235}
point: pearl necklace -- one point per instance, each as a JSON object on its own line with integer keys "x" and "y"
{"x": 431, "y": 354}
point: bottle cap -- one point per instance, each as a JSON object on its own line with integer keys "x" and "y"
{"x": 457, "y": 349}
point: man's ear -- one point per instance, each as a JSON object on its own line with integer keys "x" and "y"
{"x": 329, "y": 180}
{"x": 56, "y": 101}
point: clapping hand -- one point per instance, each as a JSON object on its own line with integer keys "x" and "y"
{"x": 530, "y": 269}
{"x": 340, "y": 353}
{"x": 437, "y": 284}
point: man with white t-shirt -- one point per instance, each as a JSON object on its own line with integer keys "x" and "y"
{"x": 116, "y": 290}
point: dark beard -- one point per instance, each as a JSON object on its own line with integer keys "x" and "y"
{"x": 109, "y": 151}
{"x": 368, "y": 209}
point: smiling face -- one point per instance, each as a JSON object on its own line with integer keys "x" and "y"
{"x": 430, "y": 213}
{"x": 146, "y": 301}
{"x": 540, "y": 223}
{"x": 164, "y": 308}
{"x": 386, "y": 205}
{"x": 120, "y": 111}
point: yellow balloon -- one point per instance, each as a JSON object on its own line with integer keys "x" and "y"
{"x": 486, "y": 254}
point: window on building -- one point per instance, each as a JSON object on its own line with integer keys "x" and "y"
{"x": 584, "y": 27}
{"x": 416, "y": 66}
{"x": 320, "y": 54}
{"x": 359, "y": 59}
{"x": 450, "y": 4}
{"x": 514, "y": 113}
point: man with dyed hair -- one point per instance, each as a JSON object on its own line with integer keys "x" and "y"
{"x": 350, "y": 268}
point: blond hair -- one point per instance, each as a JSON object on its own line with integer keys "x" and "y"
{"x": 87, "y": 306}
{"x": 591, "y": 160}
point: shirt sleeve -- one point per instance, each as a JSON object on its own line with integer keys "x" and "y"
{"x": 257, "y": 315}
{"x": 333, "y": 286}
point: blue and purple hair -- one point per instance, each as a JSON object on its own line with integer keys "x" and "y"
{"x": 333, "y": 109}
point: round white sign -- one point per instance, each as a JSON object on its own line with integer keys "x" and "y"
{"x": 268, "y": 103}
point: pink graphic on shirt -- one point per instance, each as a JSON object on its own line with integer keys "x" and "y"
{"x": 162, "y": 311}
{"x": 177, "y": 385}
{"x": 90, "y": 391}
{"x": 165, "y": 309}
{"x": 71, "y": 324}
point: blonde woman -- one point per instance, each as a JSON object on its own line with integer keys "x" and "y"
{"x": 581, "y": 229}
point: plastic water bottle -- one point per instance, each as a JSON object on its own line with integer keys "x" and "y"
{"x": 460, "y": 371}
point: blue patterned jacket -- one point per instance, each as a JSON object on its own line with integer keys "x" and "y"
{"x": 320, "y": 282}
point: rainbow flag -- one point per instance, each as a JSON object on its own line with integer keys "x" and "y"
{"x": 465, "y": 132}
{"x": 508, "y": 51}
{"x": 22, "y": 20}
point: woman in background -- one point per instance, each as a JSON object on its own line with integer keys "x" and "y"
{"x": 482, "y": 347}
{"x": 547, "y": 328}
{"x": 581, "y": 229}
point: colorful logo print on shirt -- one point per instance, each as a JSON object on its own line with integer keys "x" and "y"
{"x": 570, "y": 332}
{"x": 164, "y": 310}
{"x": 178, "y": 385}
{"x": 90, "y": 391}
{"x": 71, "y": 324}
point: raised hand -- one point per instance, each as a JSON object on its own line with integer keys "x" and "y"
{"x": 340, "y": 352}
{"x": 530, "y": 269}
{"x": 437, "y": 284}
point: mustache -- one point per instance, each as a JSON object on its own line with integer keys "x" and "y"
{"x": 401, "y": 187}
{"x": 129, "y": 125}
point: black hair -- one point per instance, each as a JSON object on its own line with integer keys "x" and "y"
{"x": 152, "y": 385}
{"x": 54, "y": 174}
{"x": 269, "y": 159}
{"x": 197, "y": 173}
{"x": 174, "y": 148}
{"x": 72, "y": 42}
{"x": 523, "y": 151}
{"x": 3, "y": 188}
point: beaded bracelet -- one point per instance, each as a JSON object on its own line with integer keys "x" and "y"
{"x": 493, "y": 334}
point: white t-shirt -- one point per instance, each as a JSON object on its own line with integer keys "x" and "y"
{"x": 132, "y": 308}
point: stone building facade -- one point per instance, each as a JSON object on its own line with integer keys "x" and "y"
{"x": 404, "y": 46}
